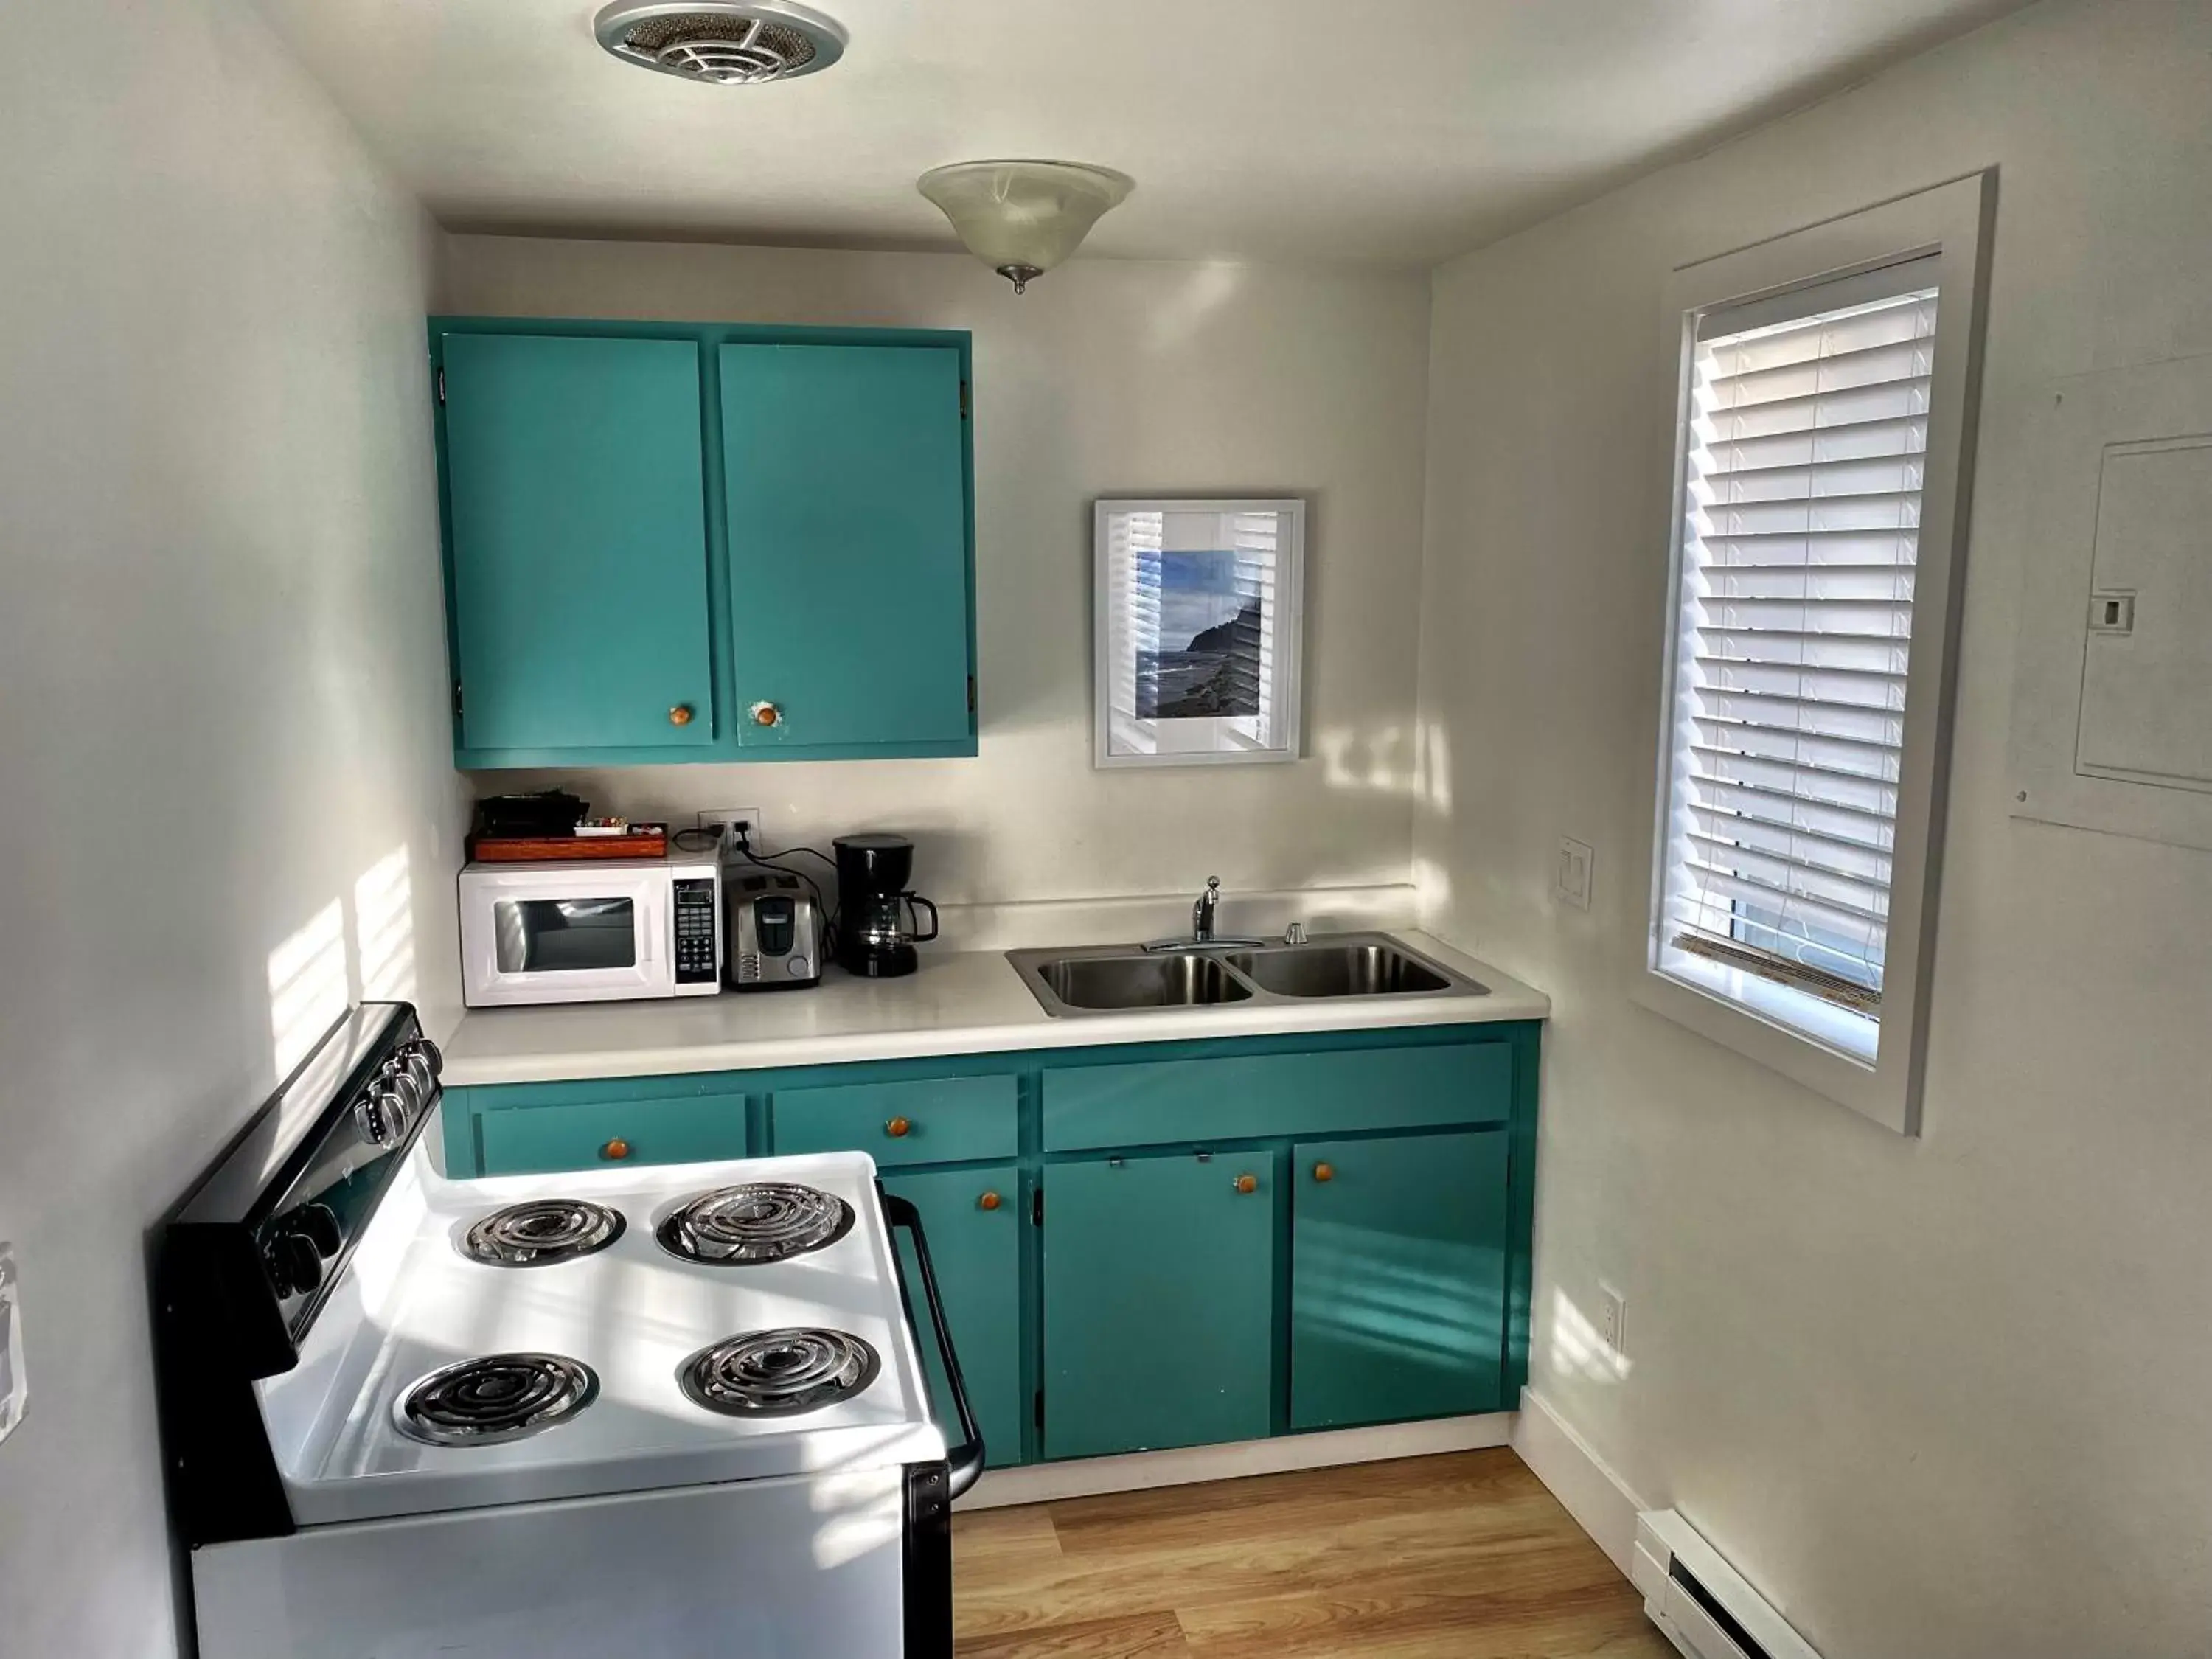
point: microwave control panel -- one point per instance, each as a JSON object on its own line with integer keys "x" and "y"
{"x": 697, "y": 960}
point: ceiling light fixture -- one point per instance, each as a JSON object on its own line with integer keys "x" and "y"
{"x": 1022, "y": 218}
{"x": 728, "y": 43}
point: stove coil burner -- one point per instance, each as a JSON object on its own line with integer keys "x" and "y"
{"x": 779, "y": 1373}
{"x": 760, "y": 1221}
{"x": 541, "y": 1232}
{"x": 499, "y": 1397}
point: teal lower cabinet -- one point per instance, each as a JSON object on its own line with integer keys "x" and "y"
{"x": 1159, "y": 1312}
{"x": 686, "y": 1129}
{"x": 1398, "y": 1253}
{"x": 1148, "y": 1246}
{"x": 973, "y": 1221}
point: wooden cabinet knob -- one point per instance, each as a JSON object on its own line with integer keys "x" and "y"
{"x": 766, "y": 714}
{"x": 1324, "y": 1172}
{"x": 988, "y": 1201}
{"x": 1245, "y": 1184}
{"x": 618, "y": 1148}
{"x": 898, "y": 1129}
{"x": 680, "y": 715}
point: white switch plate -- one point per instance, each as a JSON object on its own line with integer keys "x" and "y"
{"x": 14, "y": 1385}
{"x": 1612, "y": 1319}
{"x": 1570, "y": 875}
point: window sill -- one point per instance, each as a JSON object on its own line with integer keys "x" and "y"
{"x": 1830, "y": 1050}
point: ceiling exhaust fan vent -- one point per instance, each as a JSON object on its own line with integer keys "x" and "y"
{"x": 734, "y": 43}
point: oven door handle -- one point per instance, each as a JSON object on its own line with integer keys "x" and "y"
{"x": 964, "y": 1462}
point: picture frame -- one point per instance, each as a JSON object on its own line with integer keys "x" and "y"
{"x": 1197, "y": 614}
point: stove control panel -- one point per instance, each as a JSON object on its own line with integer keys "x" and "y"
{"x": 269, "y": 1231}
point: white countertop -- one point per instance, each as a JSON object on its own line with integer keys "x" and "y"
{"x": 961, "y": 1002}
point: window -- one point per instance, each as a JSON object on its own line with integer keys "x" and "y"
{"x": 1820, "y": 426}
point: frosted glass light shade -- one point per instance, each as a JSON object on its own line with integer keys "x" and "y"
{"x": 1022, "y": 218}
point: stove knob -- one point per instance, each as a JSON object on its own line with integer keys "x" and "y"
{"x": 318, "y": 1224}
{"x": 382, "y": 1117}
{"x": 294, "y": 1266}
{"x": 427, "y": 1051}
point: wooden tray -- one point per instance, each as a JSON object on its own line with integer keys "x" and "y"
{"x": 516, "y": 849}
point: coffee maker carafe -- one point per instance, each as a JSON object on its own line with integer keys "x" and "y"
{"x": 878, "y": 916}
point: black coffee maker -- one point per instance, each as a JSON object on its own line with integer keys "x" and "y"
{"x": 878, "y": 916}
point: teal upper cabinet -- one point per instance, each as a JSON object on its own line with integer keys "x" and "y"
{"x": 1398, "y": 1257}
{"x": 842, "y": 467}
{"x": 576, "y": 512}
{"x": 680, "y": 541}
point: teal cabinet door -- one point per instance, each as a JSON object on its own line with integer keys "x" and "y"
{"x": 972, "y": 1221}
{"x": 576, "y": 525}
{"x": 1159, "y": 1303}
{"x": 844, "y": 469}
{"x": 1398, "y": 1253}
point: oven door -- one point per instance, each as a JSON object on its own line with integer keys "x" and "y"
{"x": 565, "y": 935}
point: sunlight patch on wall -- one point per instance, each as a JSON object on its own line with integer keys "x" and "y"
{"x": 1376, "y": 764}
{"x": 1432, "y": 768}
{"x": 307, "y": 987}
{"x": 1175, "y": 322}
{"x": 384, "y": 918}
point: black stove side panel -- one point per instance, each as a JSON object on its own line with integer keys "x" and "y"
{"x": 928, "y": 1565}
{"x": 223, "y": 1479}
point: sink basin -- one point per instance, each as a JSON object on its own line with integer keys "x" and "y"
{"x": 1121, "y": 978}
{"x": 1329, "y": 969}
{"x": 1185, "y": 980}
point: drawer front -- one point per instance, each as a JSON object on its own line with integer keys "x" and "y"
{"x": 1252, "y": 1097}
{"x": 536, "y": 1139}
{"x": 923, "y": 1121}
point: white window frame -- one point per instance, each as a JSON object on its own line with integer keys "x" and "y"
{"x": 1951, "y": 221}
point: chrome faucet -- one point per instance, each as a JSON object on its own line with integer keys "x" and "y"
{"x": 1201, "y": 914}
{"x": 1201, "y": 925}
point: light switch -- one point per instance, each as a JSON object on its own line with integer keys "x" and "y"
{"x": 15, "y": 1386}
{"x": 1570, "y": 876}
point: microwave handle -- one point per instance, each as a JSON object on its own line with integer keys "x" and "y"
{"x": 649, "y": 924}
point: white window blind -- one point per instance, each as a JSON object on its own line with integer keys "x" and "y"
{"x": 1803, "y": 459}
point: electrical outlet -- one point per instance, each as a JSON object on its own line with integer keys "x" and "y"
{"x": 725, "y": 818}
{"x": 1612, "y": 1319}
{"x": 1571, "y": 874}
{"x": 14, "y": 1385}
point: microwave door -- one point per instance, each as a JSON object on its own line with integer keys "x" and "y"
{"x": 543, "y": 940}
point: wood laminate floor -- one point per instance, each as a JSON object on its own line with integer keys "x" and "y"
{"x": 1466, "y": 1556}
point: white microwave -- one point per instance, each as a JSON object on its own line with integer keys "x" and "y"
{"x": 580, "y": 931}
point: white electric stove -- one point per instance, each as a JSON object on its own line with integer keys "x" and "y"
{"x": 651, "y": 1411}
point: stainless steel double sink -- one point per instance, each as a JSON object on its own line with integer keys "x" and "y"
{"x": 1116, "y": 979}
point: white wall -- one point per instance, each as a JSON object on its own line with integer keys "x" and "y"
{"x": 220, "y": 714}
{"x": 1945, "y": 1397}
{"x": 1106, "y": 378}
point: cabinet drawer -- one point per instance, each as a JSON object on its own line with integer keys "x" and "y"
{"x": 534, "y": 1139}
{"x": 925, "y": 1120}
{"x": 1250, "y": 1096}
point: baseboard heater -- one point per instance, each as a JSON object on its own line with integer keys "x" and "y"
{"x": 1704, "y": 1605}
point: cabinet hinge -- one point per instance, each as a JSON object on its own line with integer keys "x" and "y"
{"x": 963, "y": 400}
{"x": 1039, "y": 1408}
{"x": 457, "y": 700}
{"x": 441, "y": 386}
{"x": 1037, "y": 1208}
{"x": 971, "y": 694}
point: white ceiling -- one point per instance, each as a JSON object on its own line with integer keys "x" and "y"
{"x": 1399, "y": 131}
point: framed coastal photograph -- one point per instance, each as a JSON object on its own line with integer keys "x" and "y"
{"x": 1198, "y": 631}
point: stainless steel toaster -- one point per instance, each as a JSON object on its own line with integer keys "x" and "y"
{"x": 774, "y": 931}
